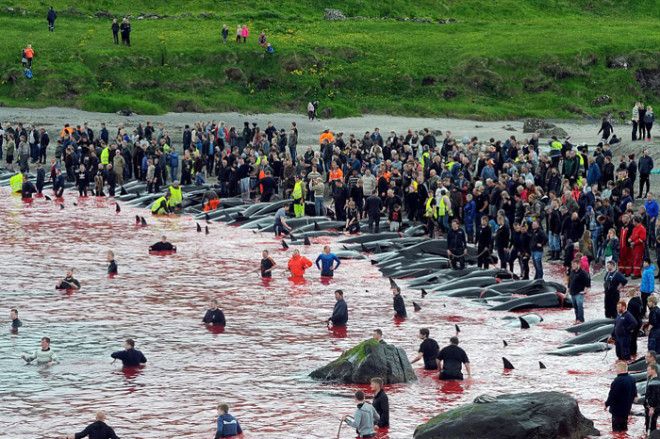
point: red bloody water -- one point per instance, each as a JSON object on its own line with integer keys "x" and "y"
{"x": 259, "y": 364}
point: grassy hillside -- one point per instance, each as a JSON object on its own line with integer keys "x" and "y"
{"x": 498, "y": 59}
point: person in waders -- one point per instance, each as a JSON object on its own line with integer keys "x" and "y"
{"x": 298, "y": 196}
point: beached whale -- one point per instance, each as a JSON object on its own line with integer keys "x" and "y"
{"x": 545, "y": 300}
{"x": 588, "y": 326}
{"x": 580, "y": 349}
{"x": 601, "y": 333}
{"x": 524, "y": 321}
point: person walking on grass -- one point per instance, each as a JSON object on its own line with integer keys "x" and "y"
{"x": 28, "y": 54}
{"x": 225, "y": 33}
{"x": 51, "y": 16}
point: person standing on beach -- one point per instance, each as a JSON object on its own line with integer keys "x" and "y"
{"x": 115, "y": 31}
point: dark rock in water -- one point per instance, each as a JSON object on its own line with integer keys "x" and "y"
{"x": 334, "y": 14}
{"x": 367, "y": 360}
{"x": 602, "y": 100}
{"x": 541, "y": 415}
{"x": 649, "y": 80}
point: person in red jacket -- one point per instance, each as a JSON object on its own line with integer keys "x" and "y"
{"x": 637, "y": 242}
{"x": 298, "y": 264}
{"x": 625, "y": 253}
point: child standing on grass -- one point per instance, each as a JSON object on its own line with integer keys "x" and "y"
{"x": 245, "y": 33}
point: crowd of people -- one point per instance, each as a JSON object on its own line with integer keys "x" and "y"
{"x": 579, "y": 205}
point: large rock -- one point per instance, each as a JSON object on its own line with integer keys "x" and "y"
{"x": 541, "y": 415}
{"x": 334, "y": 14}
{"x": 367, "y": 360}
{"x": 544, "y": 128}
{"x": 649, "y": 80}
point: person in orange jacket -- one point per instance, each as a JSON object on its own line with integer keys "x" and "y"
{"x": 298, "y": 264}
{"x": 637, "y": 242}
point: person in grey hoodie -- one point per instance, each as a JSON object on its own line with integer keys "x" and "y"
{"x": 44, "y": 356}
{"x": 364, "y": 418}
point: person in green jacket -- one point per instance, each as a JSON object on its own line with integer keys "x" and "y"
{"x": 43, "y": 356}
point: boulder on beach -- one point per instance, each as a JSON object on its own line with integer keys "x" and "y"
{"x": 367, "y": 360}
{"x": 544, "y": 128}
{"x": 540, "y": 415}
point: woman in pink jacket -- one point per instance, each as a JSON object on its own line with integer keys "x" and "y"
{"x": 245, "y": 32}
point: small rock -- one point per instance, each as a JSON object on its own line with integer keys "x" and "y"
{"x": 449, "y": 94}
{"x": 508, "y": 128}
{"x": 602, "y": 100}
{"x": 326, "y": 112}
{"x": 532, "y": 125}
{"x": 234, "y": 73}
{"x": 10, "y": 9}
{"x": 334, "y": 14}
{"x": 103, "y": 14}
{"x": 618, "y": 62}
{"x": 429, "y": 80}
{"x": 478, "y": 126}
{"x": 554, "y": 131}
{"x": 126, "y": 112}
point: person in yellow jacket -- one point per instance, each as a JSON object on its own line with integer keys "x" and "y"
{"x": 431, "y": 214}
{"x": 16, "y": 183}
{"x": 176, "y": 197}
{"x": 105, "y": 156}
{"x": 298, "y": 196}
{"x": 161, "y": 205}
{"x": 444, "y": 209}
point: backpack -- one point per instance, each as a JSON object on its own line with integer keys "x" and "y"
{"x": 28, "y": 73}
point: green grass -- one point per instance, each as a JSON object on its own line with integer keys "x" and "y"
{"x": 501, "y": 59}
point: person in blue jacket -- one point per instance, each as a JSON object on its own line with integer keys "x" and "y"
{"x": 647, "y": 287}
{"x": 228, "y": 426}
{"x": 327, "y": 260}
{"x": 621, "y": 397}
{"x": 130, "y": 357}
{"x": 624, "y": 325}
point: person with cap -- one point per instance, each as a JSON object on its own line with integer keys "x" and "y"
{"x": 612, "y": 284}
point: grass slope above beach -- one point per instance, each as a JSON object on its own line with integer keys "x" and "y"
{"x": 499, "y": 59}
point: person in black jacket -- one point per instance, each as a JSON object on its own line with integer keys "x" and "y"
{"x": 651, "y": 398}
{"x": 340, "y": 312}
{"x": 637, "y": 310}
{"x": 125, "y": 29}
{"x": 130, "y": 357}
{"x": 607, "y": 130}
{"x": 112, "y": 265}
{"x": 456, "y": 245}
{"x": 537, "y": 240}
{"x": 399, "y": 306}
{"x": 51, "y": 16}
{"x": 645, "y": 166}
{"x": 381, "y": 403}
{"x": 502, "y": 241}
{"x": 214, "y": 315}
{"x": 624, "y": 325}
{"x": 115, "y": 35}
{"x": 96, "y": 430}
{"x": 484, "y": 240}
{"x": 621, "y": 397}
{"x": 373, "y": 206}
{"x": 578, "y": 283}
{"x": 612, "y": 284}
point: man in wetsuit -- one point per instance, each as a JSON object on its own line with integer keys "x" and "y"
{"x": 112, "y": 265}
{"x": 428, "y": 350}
{"x": 96, "y": 430}
{"x": 624, "y": 325}
{"x": 327, "y": 260}
{"x": 162, "y": 246}
{"x": 214, "y": 315}
{"x": 130, "y": 357}
{"x": 280, "y": 221}
{"x": 456, "y": 246}
{"x": 340, "y": 312}
{"x": 267, "y": 264}
{"x": 450, "y": 361}
{"x": 15, "y": 321}
{"x": 69, "y": 282}
{"x": 399, "y": 306}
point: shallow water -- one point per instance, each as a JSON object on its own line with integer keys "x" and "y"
{"x": 259, "y": 364}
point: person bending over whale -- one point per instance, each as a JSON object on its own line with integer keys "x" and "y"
{"x": 327, "y": 260}
{"x": 340, "y": 312}
{"x": 450, "y": 361}
{"x": 214, "y": 315}
{"x": 69, "y": 282}
{"x": 162, "y": 205}
{"x": 162, "y": 246}
{"x": 130, "y": 357}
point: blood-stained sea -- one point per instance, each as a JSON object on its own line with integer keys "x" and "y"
{"x": 259, "y": 365}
